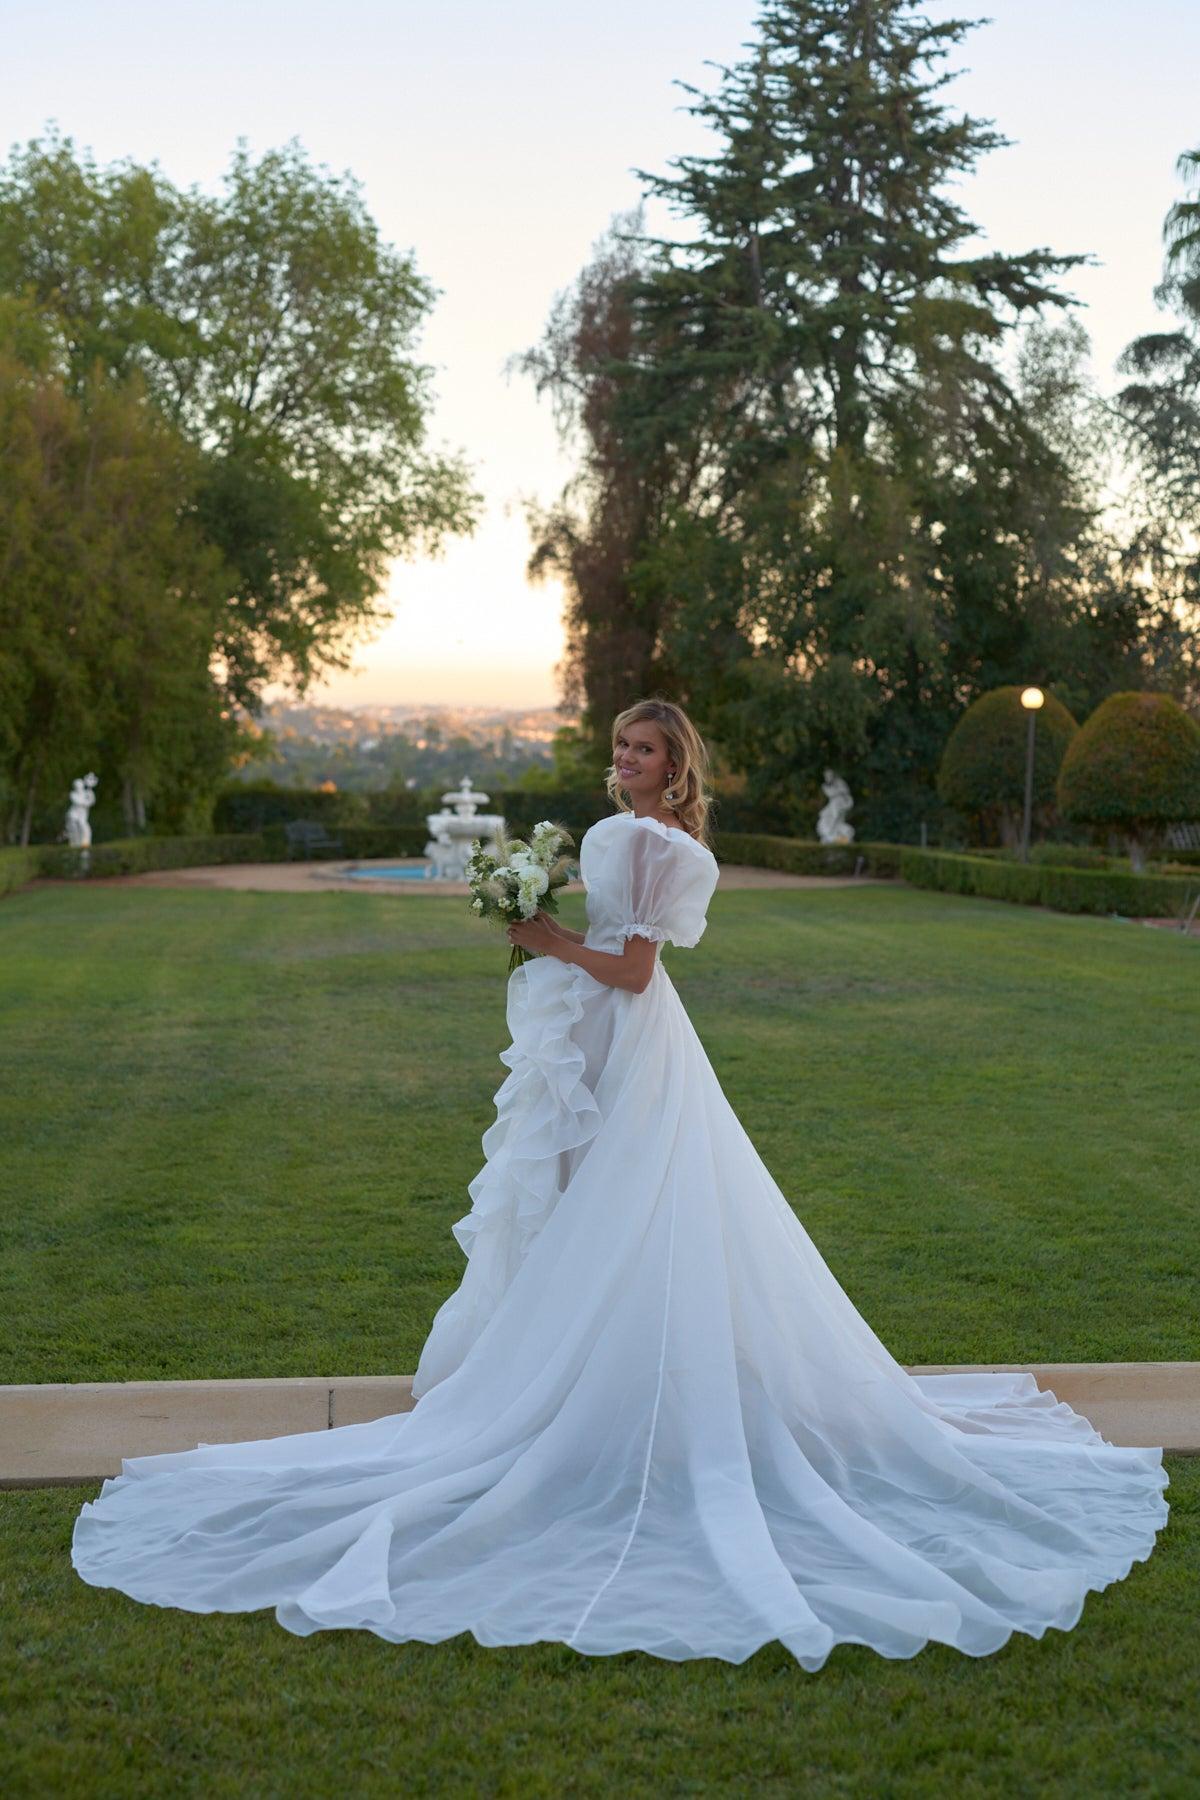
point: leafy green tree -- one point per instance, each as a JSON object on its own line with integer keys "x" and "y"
{"x": 827, "y": 352}
{"x": 275, "y": 330}
{"x": 1160, "y": 408}
{"x": 592, "y": 535}
{"x": 109, "y": 596}
{"x": 1133, "y": 767}
{"x": 858, "y": 520}
{"x": 982, "y": 772}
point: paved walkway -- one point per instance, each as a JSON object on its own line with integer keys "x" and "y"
{"x": 55, "y": 1433}
{"x": 322, "y": 877}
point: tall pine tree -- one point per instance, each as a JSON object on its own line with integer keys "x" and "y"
{"x": 1160, "y": 405}
{"x": 865, "y": 525}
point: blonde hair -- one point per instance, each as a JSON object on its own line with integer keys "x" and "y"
{"x": 689, "y": 755}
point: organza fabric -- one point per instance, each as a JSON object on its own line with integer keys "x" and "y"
{"x": 649, "y": 1418}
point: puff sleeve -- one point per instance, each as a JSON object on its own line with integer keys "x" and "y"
{"x": 664, "y": 885}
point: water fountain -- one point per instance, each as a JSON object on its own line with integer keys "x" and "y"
{"x": 451, "y": 833}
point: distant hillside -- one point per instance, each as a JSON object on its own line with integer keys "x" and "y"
{"x": 362, "y": 749}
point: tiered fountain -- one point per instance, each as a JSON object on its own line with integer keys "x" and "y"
{"x": 451, "y": 832}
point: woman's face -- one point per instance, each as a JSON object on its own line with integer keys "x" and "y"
{"x": 642, "y": 760}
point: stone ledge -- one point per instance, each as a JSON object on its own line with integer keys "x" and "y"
{"x": 55, "y": 1434}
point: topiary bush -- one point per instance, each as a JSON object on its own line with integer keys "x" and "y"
{"x": 1134, "y": 768}
{"x": 982, "y": 772}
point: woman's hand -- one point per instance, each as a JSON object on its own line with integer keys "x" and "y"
{"x": 537, "y": 934}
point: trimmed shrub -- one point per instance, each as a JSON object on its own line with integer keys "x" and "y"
{"x": 356, "y": 841}
{"x": 1064, "y": 890}
{"x": 1135, "y": 767}
{"x": 982, "y": 771}
{"x": 249, "y": 805}
{"x": 801, "y": 856}
{"x": 1069, "y": 856}
{"x": 523, "y": 808}
{"x": 134, "y": 856}
{"x": 17, "y": 867}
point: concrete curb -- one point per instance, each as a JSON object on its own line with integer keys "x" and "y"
{"x": 54, "y": 1434}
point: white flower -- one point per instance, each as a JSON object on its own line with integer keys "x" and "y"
{"x": 546, "y": 840}
{"x": 528, "y": 894}
{"x": 477, "y": 904}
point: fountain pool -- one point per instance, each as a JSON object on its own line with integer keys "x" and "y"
{"x": 409, "y": 874}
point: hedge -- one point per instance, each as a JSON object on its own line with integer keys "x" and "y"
{"x": 1037, "y": 884}
{"x": 17, "y": 867}
{"x": 805, "y": 856}
{"x": 135, "y": 856}
{"x": 245, "y": 806}
{"x": 356, "y": 841}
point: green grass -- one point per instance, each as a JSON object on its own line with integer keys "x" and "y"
{"x": 106, "y": 1697}
{"x": 236, "y": 1129}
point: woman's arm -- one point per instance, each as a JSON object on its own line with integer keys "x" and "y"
{"x": 629, "y": 968}
{"x": 576, "y": 937}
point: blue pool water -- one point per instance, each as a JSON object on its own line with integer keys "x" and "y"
{"x": 386, "y": 874}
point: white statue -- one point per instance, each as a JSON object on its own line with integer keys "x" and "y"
{"x": 83, "y": 798}
{"x": 832, "y": 824}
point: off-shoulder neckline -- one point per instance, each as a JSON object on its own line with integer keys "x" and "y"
{"x": 667, "y": 830}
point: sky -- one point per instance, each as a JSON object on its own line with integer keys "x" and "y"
{"x": 496, "y": 142}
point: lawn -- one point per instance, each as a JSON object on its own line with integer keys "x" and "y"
{"x": 236, "y": 1131}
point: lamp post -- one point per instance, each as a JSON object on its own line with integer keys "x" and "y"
{"x": 1031, "y": 699}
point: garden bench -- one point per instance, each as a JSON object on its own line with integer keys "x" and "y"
{"x": 305, "y": 836}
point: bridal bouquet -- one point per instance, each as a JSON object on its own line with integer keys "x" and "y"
{"x": 521, "y": 881}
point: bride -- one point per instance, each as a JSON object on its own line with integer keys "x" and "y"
{"x": 649, "y": 1418}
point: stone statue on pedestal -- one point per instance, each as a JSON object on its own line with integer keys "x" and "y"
{"x": 832, "y": 824}
{"x": 83, "y": 798}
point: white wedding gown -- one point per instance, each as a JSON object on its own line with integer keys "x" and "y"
{"x": 649, "y": 1418}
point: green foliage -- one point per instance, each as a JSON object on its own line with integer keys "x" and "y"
{"x": 356, "y": 840}
{"x": 1160, "y": 408}
{"x": 581, "y": 760}
{"x": 16, "y": 868}
{"x": 982, "y": 771}
{"x": 215, "y": 431}
{"x": 1063, "y": 889}
{"x": 135, "y": 856}
{"x": 1070, "y": 856}
{"x": 576, "y": 808}
{"x": 796, "y": 857}
{"x": 249, "y": 805}
{"x": 110, "y": 601}
{"x": 1134, "y": 766}
{"x": 812, "y": 502}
